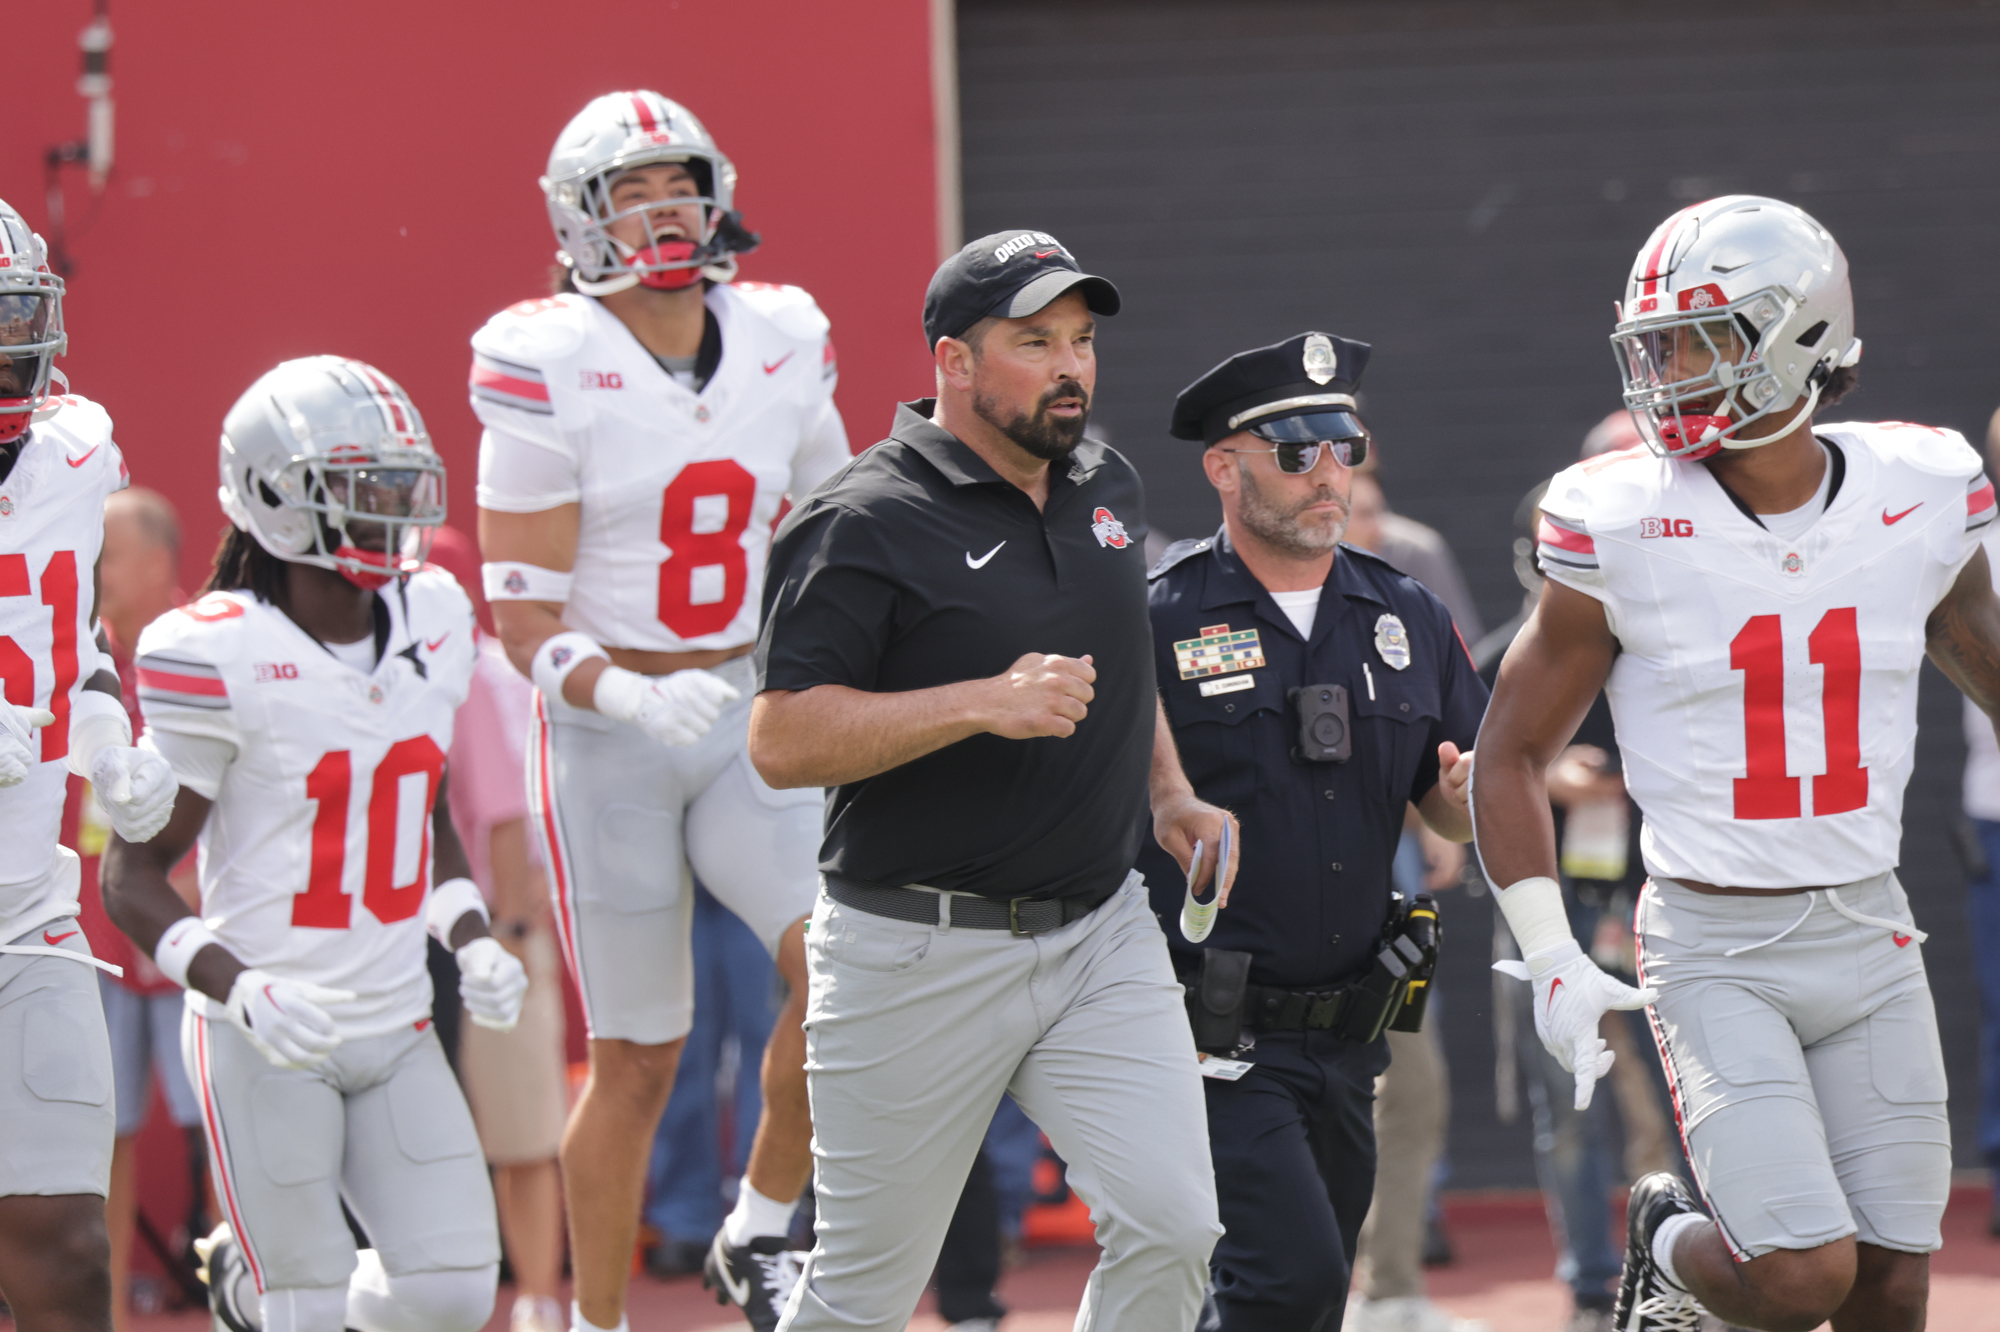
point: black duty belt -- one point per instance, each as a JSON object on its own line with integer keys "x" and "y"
{"x": 1271, "y": 1009}
{"x": 928, "y": 906}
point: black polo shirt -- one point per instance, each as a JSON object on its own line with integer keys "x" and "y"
{"x": 1312, "y": 887}
{"x": 917, "y": 565}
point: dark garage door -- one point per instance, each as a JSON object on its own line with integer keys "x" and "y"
{"x": 1464, "y": 185}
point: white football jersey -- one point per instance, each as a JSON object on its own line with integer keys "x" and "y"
{"x": 315, "y": 861}
{"x": 1766, "y": 692}
{"x": 51, "y": 529}
{"x": 679, "y": 490}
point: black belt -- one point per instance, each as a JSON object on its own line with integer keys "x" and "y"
{"x": 1271, "y": 1009}
{"x": 926, "y": 906}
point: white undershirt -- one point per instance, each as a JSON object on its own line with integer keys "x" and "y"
{"x": 1791, "y": 526}
{"x": 1301, "y": 608}
{"x": 360, "y": 654}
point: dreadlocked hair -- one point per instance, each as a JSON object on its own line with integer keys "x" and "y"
{"x": 240, "y": 564}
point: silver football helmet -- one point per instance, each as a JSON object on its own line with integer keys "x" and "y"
{"x": 619, "y": 132}
{"x": 31, "y": 326}
{"x": 325, "y": 461}
{"x": 1736, "y": 309}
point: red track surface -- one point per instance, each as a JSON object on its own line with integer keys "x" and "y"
{"x": 1502, "y": 1276}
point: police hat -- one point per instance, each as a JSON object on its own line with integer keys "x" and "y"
{"x": 1310, "y": 378}
{"x": 1010, "y": 274}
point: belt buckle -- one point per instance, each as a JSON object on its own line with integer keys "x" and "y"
{"x": 1014, "y": 918}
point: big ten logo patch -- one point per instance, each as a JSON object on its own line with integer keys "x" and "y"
{"x": 268, "y": 671}
{"x": 602, "y": 379}
{"x": 1666, "y": 527}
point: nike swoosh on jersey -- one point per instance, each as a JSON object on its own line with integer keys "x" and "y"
{"x": 980, "y": 563}
{"x": 1888, "y": 521}
{"x": 78, "y": 462}
{"x": 772, "y": 367}
{"x": 52, "y": 939}
{"x": 431, "y": 645}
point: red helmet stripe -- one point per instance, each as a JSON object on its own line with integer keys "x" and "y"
{"x": 387, "y": 395}
{"x": 647, "y": 121}
{"x": 1659, "y": 252}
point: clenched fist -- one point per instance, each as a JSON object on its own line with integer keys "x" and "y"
{"x": 1041, "y": 694}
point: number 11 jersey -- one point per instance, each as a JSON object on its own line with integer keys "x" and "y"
{"x": 679, "y": 489}
{"x": 1765, "y": 691}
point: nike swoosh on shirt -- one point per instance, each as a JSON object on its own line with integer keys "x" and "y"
{"x": 1888, "y": 521}
{"x": 48, "y": 938}
{"x": 78, "y": 462}
{"x": 980, "y": 563}
{"x": 772, "y": 367}
{"x": 431, "y": 645}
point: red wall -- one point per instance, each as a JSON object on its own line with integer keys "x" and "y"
{"x": 360, "y": 179}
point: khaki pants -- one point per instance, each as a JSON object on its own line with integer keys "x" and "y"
{"x": 1412, "y": 1108}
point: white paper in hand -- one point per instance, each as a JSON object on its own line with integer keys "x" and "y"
{"x": 1198, "y": 913}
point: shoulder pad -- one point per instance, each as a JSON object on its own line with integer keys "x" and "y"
{"x": 1177, "y": 552}
{"x": 534, "y": 332}
{"x": 791, "y": 310}
{"x": 81, "y": 418}
{"x": 1930, "y": 449}
{"x": 205, "y": 628}
{"x": 436, "y": 586}
{"x": 1610, "y": 491}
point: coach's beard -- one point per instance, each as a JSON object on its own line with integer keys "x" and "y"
{"x": 1049, "y": 438}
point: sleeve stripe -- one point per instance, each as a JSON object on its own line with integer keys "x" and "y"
{"x": 1549, "y": 555}
{"x": 510, "y": 385}
{"x": 168, "y": 682}
{"x": 158, "y": 661}
{"x": 510, "y": 369}
{"x": 1563, "y": 538}
{"x": 1979, "y": 499}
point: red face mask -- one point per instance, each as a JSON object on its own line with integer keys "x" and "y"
{"x": 668, "y": 252}
{"x": 1681, "y": 431}
{"x": 375, "y": 559}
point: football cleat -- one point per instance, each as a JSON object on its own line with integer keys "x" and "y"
{"x": 1647, "y": 1301}
{"x": 756, "y": 1277}
{"x": 232, "y": 1292}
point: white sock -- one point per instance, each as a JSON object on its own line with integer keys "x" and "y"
{"x": 1666, "y": 1237}
{"x": 579, "y": 1323}
{"x": 756, "y": 1216}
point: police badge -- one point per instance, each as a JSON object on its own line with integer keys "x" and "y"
{"x": 1320, "y": 365}
{"x": 1392, "y": 642}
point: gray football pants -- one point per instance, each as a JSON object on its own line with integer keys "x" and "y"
{"x": 912, "y": 1034}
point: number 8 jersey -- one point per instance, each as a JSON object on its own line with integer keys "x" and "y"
{"x": 679, "y": 489}
{"x": 1765, "y": 692}
{"x": 315, "y": 861}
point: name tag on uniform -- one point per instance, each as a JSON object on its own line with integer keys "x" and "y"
{"x": 1218, "y": 651}
{"x": 1228, "y": 684}
{"x": 1223, "y": 1070}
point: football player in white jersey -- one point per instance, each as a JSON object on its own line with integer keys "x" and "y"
{"x": 1755, "y": 592}
{"x": 306, "y": 704}
{"x": 61, "y": 713}
{"x": 643, "y": 428}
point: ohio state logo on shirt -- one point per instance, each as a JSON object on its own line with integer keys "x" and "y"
{"x": 1108, "y": 530}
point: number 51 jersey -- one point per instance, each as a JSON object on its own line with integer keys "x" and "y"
{"x": 1765, "y": 694}
{"x": 315, "y": 862}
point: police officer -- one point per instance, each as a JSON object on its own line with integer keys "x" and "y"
{"x": 1316, "y": 692}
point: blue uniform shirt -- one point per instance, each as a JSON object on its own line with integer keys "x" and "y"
{"x": 1312, "y": 890}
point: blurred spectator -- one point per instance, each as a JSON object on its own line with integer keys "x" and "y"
{"x": 1413, "y": 1098}
{"x": 703, "y": 1141}
{"x": 515, "y": 1081}
{"x": 1597, "y": 829}
{"x": 142, "y": 1010}
{"x": 1982, "y": 806}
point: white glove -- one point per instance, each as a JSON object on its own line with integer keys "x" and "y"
{"x": 19, "y": 750}
{"x": 1571, "y": 994}
{"x": 675, "y": 709}
{"x": 136, "y": 788}
{"x": 492, "y": 982}
{"x": 286, "y": 1020}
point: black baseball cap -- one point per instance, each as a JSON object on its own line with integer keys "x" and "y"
{"x": 1010, "y": 274}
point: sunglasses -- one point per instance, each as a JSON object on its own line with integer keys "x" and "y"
{"x": 1296, "y": 459}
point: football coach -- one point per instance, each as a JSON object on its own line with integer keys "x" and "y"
{"x": 956, "y": 641}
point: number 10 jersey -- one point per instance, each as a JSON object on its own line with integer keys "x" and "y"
{"x": 1765, "y": 692}
{"x": 315, "y": 861}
